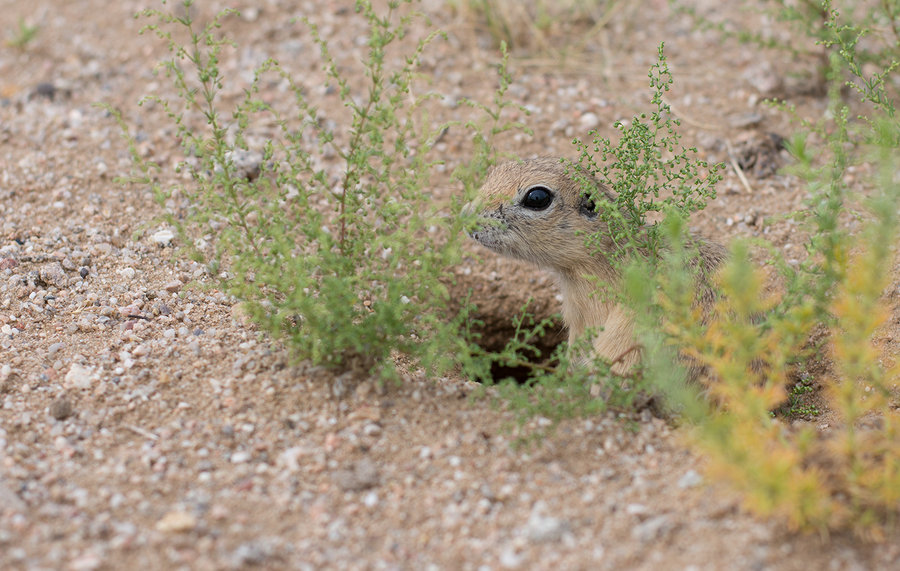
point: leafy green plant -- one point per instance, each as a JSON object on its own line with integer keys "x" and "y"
{"x": 800, "y": 474}
{"x": 798, "y": 405}
{"x": 749, "y": 342}
{"x": 849, "y": 476}
{"x": 22, "y": 35}
{"x": 824, "y": 168}
{"x": 344, "y": 264}
{"x": 648, "y": 170}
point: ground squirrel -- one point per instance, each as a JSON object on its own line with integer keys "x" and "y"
{"x": 533, "y": 210}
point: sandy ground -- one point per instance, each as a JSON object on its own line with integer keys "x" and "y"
{"x": 144, "y": 425}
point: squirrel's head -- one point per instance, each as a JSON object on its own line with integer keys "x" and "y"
{"x": 541, "y": 211}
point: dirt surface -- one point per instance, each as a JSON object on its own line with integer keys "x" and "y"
{"x": 145, "y": 425}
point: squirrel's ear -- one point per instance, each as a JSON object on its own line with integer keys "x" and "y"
{"x": 587, "y": 207}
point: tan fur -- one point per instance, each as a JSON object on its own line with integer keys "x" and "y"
{"x": 554, "y": 239}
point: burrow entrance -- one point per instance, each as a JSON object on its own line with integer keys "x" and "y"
{"x": 497, "y": 330}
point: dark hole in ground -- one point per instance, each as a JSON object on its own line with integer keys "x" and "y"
{"x": 519, "y": 373}
{"x": 496, "y": 333}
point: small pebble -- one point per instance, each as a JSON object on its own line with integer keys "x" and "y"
{"x": 636, "y": 509}
{"x": 176, "y": 522}
{"x": 45, "y": 89}
{"x": 79, "y": 377}
{"x": 652, "y": 529}
{"x": 542, "y": 527}
{"x": 53, "y": 274}
{"x": 361, "y": 476}
{"x": 249, "y": 554}
{"x": 9, "y": 499}
{"x": 690, "y": 479}
{"x": 61, "y": 408}
{"x": 163, "y": 237}
{"x": 589, "y": 121}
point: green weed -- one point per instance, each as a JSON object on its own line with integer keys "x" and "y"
{"x": 846, "y": 478}
{"x": 648, "y": 170}
{"x": 22, "y": 35}
{"x": 798, "y": 405}
{"x": 751, "y": 340}
{"x": 346, "y": 265}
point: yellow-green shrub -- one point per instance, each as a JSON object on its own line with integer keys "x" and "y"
{"x": 848, "y": 475}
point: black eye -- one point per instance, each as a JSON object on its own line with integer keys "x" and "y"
{"x": 537, "y": 198}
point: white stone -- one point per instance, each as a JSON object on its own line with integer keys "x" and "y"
{"x": 79, "y": 377}
{"x": 589, "y": 121}
{"x": 163, "y": 237}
